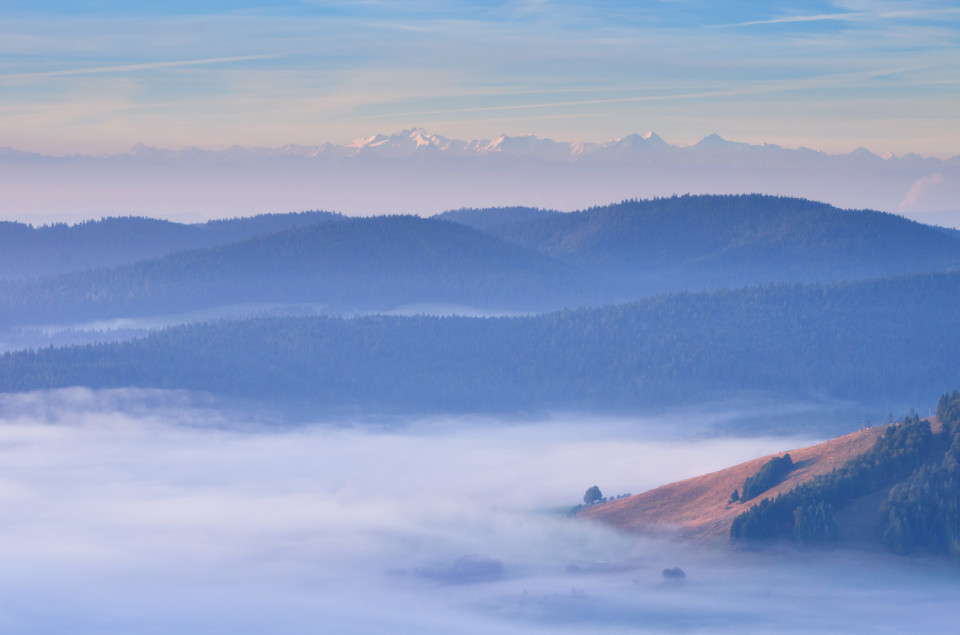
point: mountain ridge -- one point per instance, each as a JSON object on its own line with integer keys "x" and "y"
{"x": 417, "y": 140}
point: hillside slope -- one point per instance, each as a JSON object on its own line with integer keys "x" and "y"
{"x": 699, "y": 509}
{"x": 901, "y": 491}
{"x": 27, "y": 251}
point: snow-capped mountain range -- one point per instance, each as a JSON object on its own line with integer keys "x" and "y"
{"x": 417, "y": 141}
{"x": 413, "y": 171}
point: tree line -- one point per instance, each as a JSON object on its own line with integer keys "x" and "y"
{"x": 921, "y": 512}
{"x": 847, "y": 341}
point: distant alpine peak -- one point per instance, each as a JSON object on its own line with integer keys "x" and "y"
{"x": 646, "y": 139}
{"x": 712, "y": 140}
{"x": 530, "y": 145}
{"x": 418, "y": 140}
{"x": 376, "y": 139}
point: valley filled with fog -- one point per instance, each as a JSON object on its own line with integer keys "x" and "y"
{"x": 498, "y": 317}
{"x": 155, "y": 511}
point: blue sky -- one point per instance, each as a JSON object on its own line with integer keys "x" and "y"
{"x": 101, "y": 75}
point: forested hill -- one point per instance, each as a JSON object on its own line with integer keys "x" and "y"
{"x": 490, "y": 218}
{"x": 363, "y": 263}
{"x": 696, "y": 242}
{"x": 521, "y": 259}
{"x": 703, "y": 507}
{"x": 897, "y": 485}
{"x": 27, "y": 252}
{"x": 882, "y": 343}
{"x": 905, "y": 491}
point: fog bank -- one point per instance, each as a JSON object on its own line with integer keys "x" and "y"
{"x": 139, "y": 511}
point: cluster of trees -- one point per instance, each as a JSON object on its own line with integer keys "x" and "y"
{"x": 593, "y": 495}
{"x": 807, "y": 511}
{"x": 923, "y": 512}
{"x": 769, "y": 475}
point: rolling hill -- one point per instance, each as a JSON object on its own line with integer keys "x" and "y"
{"x": 363, "y": 263}
{"x": 700, "y": 242}
{"x": 28, "y": 252}
{"x": 519, "y": 260}
{"x": 897, "y": 486}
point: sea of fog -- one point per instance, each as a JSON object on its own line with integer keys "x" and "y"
{"x": 148, "y": 512}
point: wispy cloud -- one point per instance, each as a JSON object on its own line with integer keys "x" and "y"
{"x": 747, "y": 89}
{"x": 849, "y": 16}
{"x": 920, "y": 187}
{"x": 148, "y": 66}
{"x": 794, "y": 18}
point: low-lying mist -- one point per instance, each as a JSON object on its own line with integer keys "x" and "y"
{"x": 142, "y": 511}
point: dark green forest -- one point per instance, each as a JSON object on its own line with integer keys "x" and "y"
{"x": 881, "y": 342}
{"x": 921, "y": 512}
{"x": 895, "y": 455}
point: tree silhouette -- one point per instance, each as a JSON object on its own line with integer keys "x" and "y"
{"x": 592, "y": 495}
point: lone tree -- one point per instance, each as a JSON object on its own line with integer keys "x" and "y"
{"x": 592, "y": 496}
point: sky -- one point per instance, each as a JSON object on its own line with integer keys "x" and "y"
{"x": 99, "y": 76}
